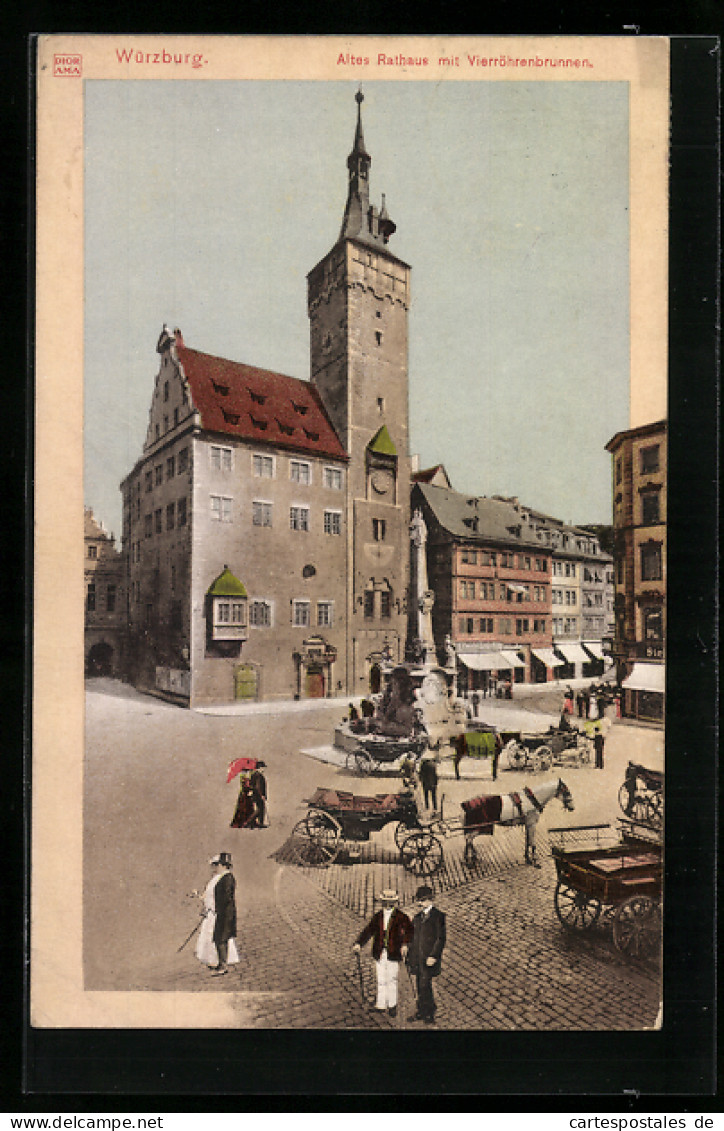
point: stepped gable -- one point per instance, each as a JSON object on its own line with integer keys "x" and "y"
{"x": 256, "y": 404}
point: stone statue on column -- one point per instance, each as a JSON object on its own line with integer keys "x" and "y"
{"x": 423, "y": 599}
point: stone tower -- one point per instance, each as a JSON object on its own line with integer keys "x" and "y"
{"x": 358, "y": 302}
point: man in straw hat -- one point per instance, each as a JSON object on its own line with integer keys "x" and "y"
{"x": 390, "y": 931}
{"x": 424, "y": 959}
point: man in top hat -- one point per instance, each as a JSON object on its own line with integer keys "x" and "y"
{"x": 216, "y": 946}
{"x": 257, "y": 785}
{"x": 390, "y": 931}
{"x": 425, "y": 953}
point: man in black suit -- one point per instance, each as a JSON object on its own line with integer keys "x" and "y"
{"x": 425, "y": 953}
{"x": 257, "y": 784}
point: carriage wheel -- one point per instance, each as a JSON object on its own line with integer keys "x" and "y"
{"x": 515, "y": 755}
{"x": 364, "y": 762}
{"x": 638, "y": 809}
{"x": 543, "y": 758}
{"x": 316, "y": 839}
{"x": 421, "y": 854}
{"x": 637, "y": 927}
{"x": 655, "y": 810}
{"x": 402, "y": 832}
{"x": 576, "y": 910}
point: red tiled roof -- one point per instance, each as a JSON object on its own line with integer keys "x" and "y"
{"x": 256, "y": 404}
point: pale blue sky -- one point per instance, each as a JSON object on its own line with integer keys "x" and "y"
{"x": 206, "y": 204}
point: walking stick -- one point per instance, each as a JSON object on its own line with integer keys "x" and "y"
{"x": 188, "y": 940}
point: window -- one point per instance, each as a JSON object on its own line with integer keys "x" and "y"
{"x": 158, "y": 520}
{"x": 170, "y": 516}
{"x": 220, "y": 508}
{"x": 111, "y": 599}
{"x": 149, "y": 481}
{"x": 301, "y": 614}
{"x": 175, "y": 417}
{"x": 619, "y": 469}
{"x": 181, "y": 512}
{"x": 157, "y": 431}
{"x": 651, "y": 562}
{"x": 300, "y": 472}
{"x": 165, "y": 423}
{"x": 229, "y": 618}
{"x": 324, "y": 614}
{"x": 507, "y": 559}
{"x": 165, "y": 390}
{"x": 467, "y": 590}
{"x": 488, "y": 558}
{"x": 170, "y": 467}
{"x": 93, "y": 552}
{"x": 333, "y": 478}
{"x": 521, "y": 625}
{"x": 379, "y": 529}
{"x": 299, "y": 518}
{"x": 332, "y": 522}
{"x": 386, "y": 604}
{"x": 260, "y": 614}
{"x": 539, "y": 626}
{"x": 541, "y": 565}
{"x": 571, "y": 624}
{"x": 261, "y": 513}
{"x": 653, "y": 624}
{"x": 369, "y": 604}
{"x": 221, "y": 458}
{"x": 90, "y": 602}
{"x": 147, "y": 525}
{"x": 486, "y": 624}
{"x": 159, "y": 474}
{"x": 650, "y": 512}
{"x": 469, "y": 557}
{"x": 505, "y": 626}
{"x": 484, "y": 590}
{"x": 649, "y": 459}
{"x": 263, "y": 467}
{"x": 183, "y": 460}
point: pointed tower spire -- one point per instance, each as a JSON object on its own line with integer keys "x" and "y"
{"x": 361, "y": 220}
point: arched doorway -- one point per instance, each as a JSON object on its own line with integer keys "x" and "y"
{"x": 314, "y": 682}
{"x": 375, "y": 679}
{"x": 100, "y": 660}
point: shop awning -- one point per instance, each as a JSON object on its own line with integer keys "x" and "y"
{"x": 574, "y": 653}
{"x": 548, "y": 657}
{"x": 514, "y": 660}
{"x": 594, "y": 647}
{"x": 483, "y": 661}
{"x": 646, "y": 677}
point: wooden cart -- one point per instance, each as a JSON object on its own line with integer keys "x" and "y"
{"x": 621, "y": 880}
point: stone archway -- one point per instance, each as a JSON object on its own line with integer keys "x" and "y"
{"x": 99, "y": 661}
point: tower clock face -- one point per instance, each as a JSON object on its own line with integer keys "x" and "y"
{"x": 381, "y": 482}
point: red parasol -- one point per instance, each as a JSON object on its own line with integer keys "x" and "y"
{"x": 238, "y": 765}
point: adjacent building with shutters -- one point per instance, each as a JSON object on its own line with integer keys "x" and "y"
{"x": 265, "y": 524}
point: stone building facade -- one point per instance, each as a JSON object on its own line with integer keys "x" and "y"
{"x": 639, "y": 467}
{"x": 266, "y": 522}
{"x": 104, "y": 600}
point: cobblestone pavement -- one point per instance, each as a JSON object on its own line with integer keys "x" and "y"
{"x": 158, "y": 809}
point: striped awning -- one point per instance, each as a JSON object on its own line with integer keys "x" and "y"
{"x": 595, "y": 648}
{"x": 483, "y": 661}
{"x": 513, "y": 659}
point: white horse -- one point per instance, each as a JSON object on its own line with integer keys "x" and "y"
{"x": 522, "y": 807}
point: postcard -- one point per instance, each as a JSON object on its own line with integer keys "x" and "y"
{"x": 350, "y": 532}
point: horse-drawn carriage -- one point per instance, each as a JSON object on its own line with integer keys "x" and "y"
{"x": 336, "y": 819}
{"x": 539, "y": 751}
{"x": 641, "y": 796}
{"x": 370, "y": 752}
{"x": 623, "y": 881}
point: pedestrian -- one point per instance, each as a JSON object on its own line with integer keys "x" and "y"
{"x": 216, "y": 945}
{"x": 617, "y": 702}
{"x": 598, "y": 744}
{"x": 496, "y": 755}
{"x": 428, "y": 781}
{"x": 353, "y": 713}
{"x": 391, "y": 931}
{"x": 592, "y": 707}
{"x": 568, "y": 701}
{"x": 580, "y": 704}
{"x": 425, "y": 955}
{"x": 257, "y": 784}
{"x": 476, "y": 703}
{"x": 245, "y": 810}
{"x": 459, "y": 745}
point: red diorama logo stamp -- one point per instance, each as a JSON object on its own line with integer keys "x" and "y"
{"x": 68, "y": 66}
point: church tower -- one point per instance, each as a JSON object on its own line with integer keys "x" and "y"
{"x": 358, "y": 302}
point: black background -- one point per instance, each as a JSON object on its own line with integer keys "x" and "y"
{"x": 115, "y": 1071}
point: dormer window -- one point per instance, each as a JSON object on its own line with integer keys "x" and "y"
{"x": 230, "y": 417}
{"x": 261, "y": 424}
{"x": 227, "y": 609}
{"x": 302, "y": 409}
{"x": 311, "y": 435}
{"x": 258, "y": 398}
{"x": 222, "y": 390}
